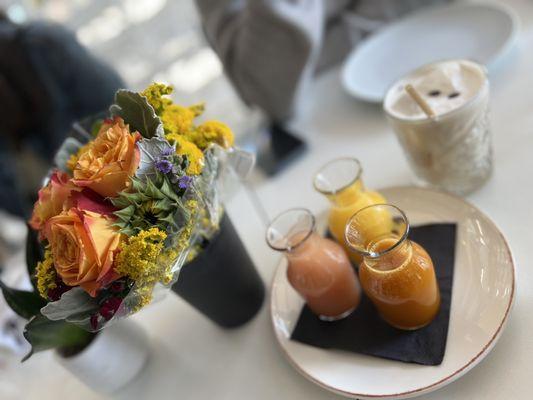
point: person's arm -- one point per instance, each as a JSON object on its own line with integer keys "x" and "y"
{"x": 268, "y": 47}
{"x": 83, "y": 82}
{"x": 77, "y": 84}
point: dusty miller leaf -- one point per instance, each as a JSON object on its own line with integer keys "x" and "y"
{"x": 71, "y": 304}
{"x": 68, "y": 147}
{"x": 150, "y": 150}
{"x": 135, "y": 110}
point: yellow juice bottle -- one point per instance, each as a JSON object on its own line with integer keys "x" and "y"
{"x": 341, "y": 182}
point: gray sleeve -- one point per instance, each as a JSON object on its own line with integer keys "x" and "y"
{"x": 268, "y": 47}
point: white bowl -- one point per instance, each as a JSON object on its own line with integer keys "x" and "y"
{"x": 478, "y": 32}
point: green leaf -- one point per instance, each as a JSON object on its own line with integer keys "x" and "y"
{"x": 34, "y": 254}
{"x": 167, "y": 190}
{"x": 72, "y": 304}
{"x": 95, "y": 128}
{"x": 137, "y": 112}
{"x": 152, "y": 191}
{"x": 26, "y": 304}
{"x": 125, "y": 214}
{"x": 128, "y": 231}
{"x": 44, "y": 334}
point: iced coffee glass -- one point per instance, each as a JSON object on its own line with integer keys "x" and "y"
{"x": 450, "y": 150}
{"x": 319, "y": 269}
{"x": 396, "y": 274}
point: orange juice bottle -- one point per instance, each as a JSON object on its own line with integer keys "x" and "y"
{"x": 341, "y": 182}
{"x": 396, "y": 274}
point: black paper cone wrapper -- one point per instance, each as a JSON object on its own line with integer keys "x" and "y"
{"x": 222, "y": 282}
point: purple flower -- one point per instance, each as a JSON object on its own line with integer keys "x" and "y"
{"x": 163, "y": 166}
{"x": 167, "y": 151}
{"x": 184, "y": 182}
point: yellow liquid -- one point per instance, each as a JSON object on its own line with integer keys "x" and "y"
{"x": 347, "y": 203}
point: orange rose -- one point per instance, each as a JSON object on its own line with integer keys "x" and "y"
{"x": 53, "y": 199}
{"x": 110, "y": 160}
{"x": 83, "y": 245}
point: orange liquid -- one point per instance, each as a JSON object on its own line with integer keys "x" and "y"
{"x": 321, "y": 273}
{"x": 402, "y": 285}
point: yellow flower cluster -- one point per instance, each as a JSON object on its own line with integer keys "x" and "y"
{"x": 138, "y": 255}
{"x": 211, "y": 132}
{"x": 73, "y": 159}
{"x": 142, "y": 259}
{"x": 185, "y": 236}
{"x": 167, "y": 259}
{"x": 178, "y": 124}
{"x": 154, "y": 94}
{"x": 46, "y": 274}
{"x": 177, "y": 120}
{"x": 208, "y": 224}
{"x": 184, "y": 239}
{"x": 189, "y": 149}
{"x": 182, "y": 243}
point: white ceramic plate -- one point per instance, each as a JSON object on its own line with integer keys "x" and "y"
{"x": 479, "y": 32}
{"x": 482, "y": 295}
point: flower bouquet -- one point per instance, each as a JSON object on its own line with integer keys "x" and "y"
{"x": 132, "y": 199}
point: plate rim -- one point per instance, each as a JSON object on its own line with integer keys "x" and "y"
{"x": 485, "y": 350}
{"x": 505, "y": 9}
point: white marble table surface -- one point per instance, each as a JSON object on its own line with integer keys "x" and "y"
{"x": 193, "y": 359}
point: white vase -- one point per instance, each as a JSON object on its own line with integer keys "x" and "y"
{"x": 112, "y": 359}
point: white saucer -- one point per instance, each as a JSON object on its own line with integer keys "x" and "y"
{"x": 479, "y": 32}
{"x": 483, "y": 292}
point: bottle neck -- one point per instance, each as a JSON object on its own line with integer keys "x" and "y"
{"x": 347, "y": 195}
{"x": 389, "y": 258}
{"x": 302, "y": 247}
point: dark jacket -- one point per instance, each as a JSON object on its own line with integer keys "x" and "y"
{"x": 47, "y": 81}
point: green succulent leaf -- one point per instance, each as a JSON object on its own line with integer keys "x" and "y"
{"x": 167, "y": 191}
{"x": 153, "y": 203}
{"x": 34, "y": 254}
{"x": 44, "y": 334}
{"x": 24, "y": 303}
{"x": 126, "y": 213}
{"x": 135, "y": 110}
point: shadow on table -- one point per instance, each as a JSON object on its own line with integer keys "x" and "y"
{"x": 163, "y": 378}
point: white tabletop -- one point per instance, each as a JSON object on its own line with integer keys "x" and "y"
{"x": 193, "y": 359}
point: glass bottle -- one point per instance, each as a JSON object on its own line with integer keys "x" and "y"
{"x": 341, "y": 182}
{"x": 318, "y": 268}
{"x": 396, "y": 273}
